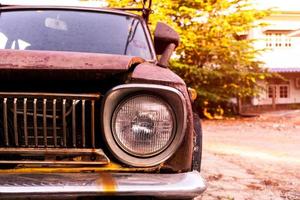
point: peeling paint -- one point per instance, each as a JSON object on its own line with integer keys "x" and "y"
{"x": 112, "y": 167}
{"x": 55, "y": 60}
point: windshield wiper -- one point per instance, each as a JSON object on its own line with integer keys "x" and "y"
{"x": 131, "y": 34}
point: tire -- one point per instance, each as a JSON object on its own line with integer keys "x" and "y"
{"x": 197, "y": 153}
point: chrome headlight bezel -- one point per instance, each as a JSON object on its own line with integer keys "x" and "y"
{"x": 117, "y": 95}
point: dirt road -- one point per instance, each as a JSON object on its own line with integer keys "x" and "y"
{"x": 253, "y": 158}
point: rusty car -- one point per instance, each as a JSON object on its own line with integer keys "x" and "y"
{"x": 89, "y": 107}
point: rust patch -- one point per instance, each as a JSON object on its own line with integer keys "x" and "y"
{"x": 107, "y": 182}
{"x": 55, "y": 60}
{"x": 112, "y": 167}
{"x": 147, "y": 72}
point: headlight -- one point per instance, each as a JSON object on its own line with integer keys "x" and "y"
{"x": 143, "y": 125}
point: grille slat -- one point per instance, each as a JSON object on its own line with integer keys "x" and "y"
{"x": 35, "y": 123}
{"x": 5, "y": 123}
{"x": 74, "y": 123}
{"x": 45, "y": 121}
{"x": 64, "y": 122}
{"x": 35, "y": 120}
{"x": 83, "y": 123}
{"x": 16, "y": 122}
{"x": 25, "y": 122}
{"x": 54, "y": 123}
{"x": 93, "y": 123}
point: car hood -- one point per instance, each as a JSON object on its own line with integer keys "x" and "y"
{"x": 62, "y": 64}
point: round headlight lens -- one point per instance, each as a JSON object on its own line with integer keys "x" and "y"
{"x": 143, "y": 125}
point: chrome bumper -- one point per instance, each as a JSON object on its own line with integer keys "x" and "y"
{"x": 181, "y": 185}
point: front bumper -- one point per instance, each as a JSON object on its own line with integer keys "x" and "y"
{"x": 181, "y": 185}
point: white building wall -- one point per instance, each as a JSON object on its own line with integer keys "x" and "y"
{"x": 281, "y": 57}
{"x": 294, "y": 95}
{"x": 295, "y": 92}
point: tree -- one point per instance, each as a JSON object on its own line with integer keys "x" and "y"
{"x": 213, "y": 57}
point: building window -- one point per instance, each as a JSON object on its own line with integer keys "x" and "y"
{"x": 277, "y": 39}
{"x": 283, "y": 91}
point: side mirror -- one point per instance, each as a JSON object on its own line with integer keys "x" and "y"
{"x": 166, "y": 39}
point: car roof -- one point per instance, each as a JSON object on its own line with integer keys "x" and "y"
{"x": 76, "y": 3}
{"x": 84, "y": 5}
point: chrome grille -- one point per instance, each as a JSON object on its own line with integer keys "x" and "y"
{"x": 48, "y": 120}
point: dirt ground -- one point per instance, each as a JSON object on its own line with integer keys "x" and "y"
{"x": 253, "y": 158}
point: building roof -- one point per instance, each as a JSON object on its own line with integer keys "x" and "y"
{"x": 295, "y": 33}
{"x": 285, "y": 70}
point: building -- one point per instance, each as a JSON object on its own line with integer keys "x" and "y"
{"x": 281, "y": 38}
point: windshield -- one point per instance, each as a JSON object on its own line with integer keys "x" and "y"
{"x": 77, "y": 31}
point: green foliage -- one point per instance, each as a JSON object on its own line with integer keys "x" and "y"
{"x": 212, "y": 57}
